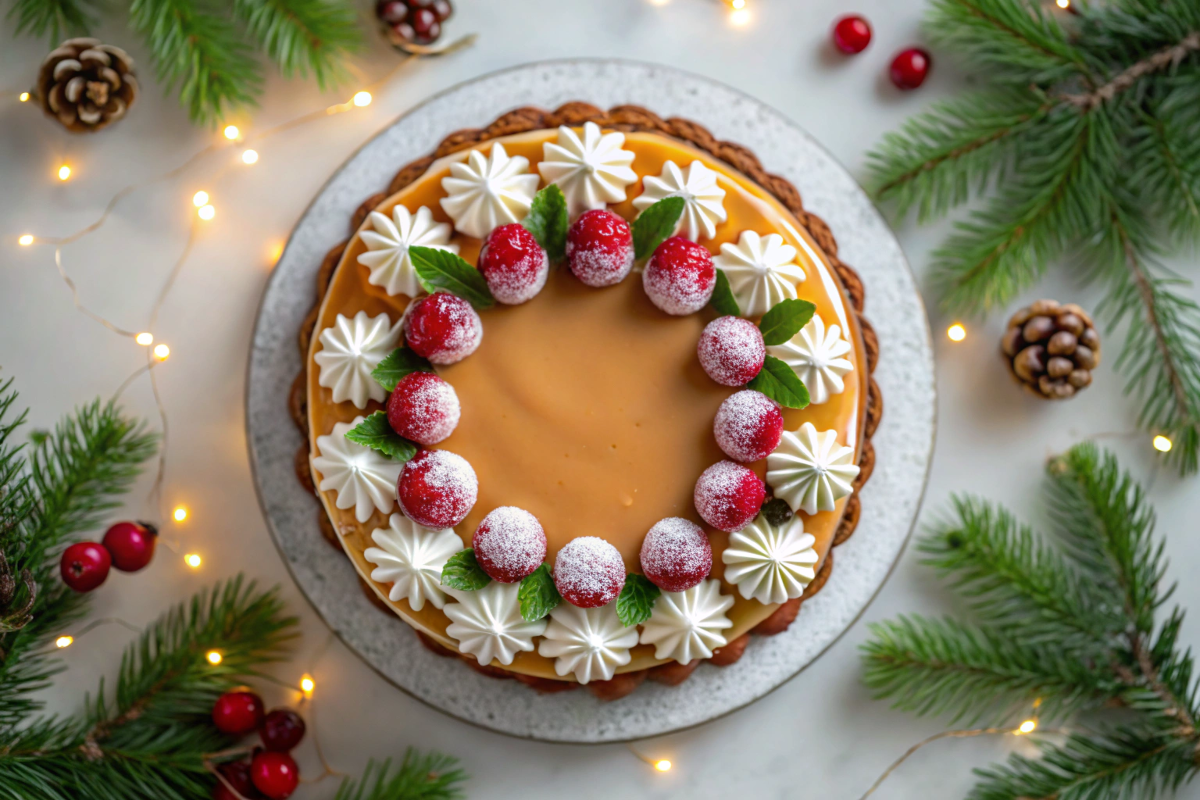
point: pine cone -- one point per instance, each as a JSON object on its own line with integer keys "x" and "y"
{"x": 85, "y": 85}
{"x": 1051, "y": 349}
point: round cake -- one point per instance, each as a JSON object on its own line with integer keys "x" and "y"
{"x": 588, "y": 399}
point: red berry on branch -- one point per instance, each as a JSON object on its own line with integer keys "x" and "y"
{"x": 852, "y": 34}
{"x": 513, "y": 263}
{"x": 281, "y": 730}
{"x": 391, "y": 12}
{"x": 680, "y": 276}
{"x": 600, "y": 248}
{"x": 910, "y": 68}
{"x": 676, "y": 554}
{"x": 85, "y": 565}
{"x": 728, "y": 496}
{"x": 509, "y": 544}
{"x": 237, "y": 775}
{"x": 275, "y": 774}
{"x": 731, "y": 350}
{"x": 131, "y": 545}
{"x": 748, "y": 426}
{"x": 437, "y": 489}
{"x": 589, "y": 572}
{"x": 423, "y": 408}
{"x": 237, "y": 713}
{"x": 443, "y": 328}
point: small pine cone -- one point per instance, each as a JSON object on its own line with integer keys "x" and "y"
{"x": 1051, "y": 349}
{"x": 85, "y": 85}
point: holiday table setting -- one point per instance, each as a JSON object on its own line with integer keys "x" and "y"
{"x": 977, "y": 287}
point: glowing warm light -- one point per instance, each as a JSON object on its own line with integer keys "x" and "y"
{"x": 1028, "y": 726}
{"x": 63, "y": 641}
{"x": 180, "y": 514}
{"x": 231, "y": 131}
{"x": 1063, "y": 3}
{"x": 250, "y": 156}
{"x": 206, "y": 212}
{"x": 738, "y": 4}
{"x": 659, "y": 2}
{"x": 64, "y": 172}
{"x": 1162, "y": 444}
{"x": 145, "y": 339}
{"x": 276, "y": 252}
{"x": 740, "y": 17}
{"x": 193, "y": 560}
{"x": 162, "y": 352}
{"x": 213, "y": 657}
{"x": 24, "y": 97}
{"x": 25, "y": 240}
{"x": 362, "y": 99}
{"x": 662, "y": 765}
{"x": 200, "y": 199}
{"x": 956, "y": 332}
{"x": 307, "y": 684}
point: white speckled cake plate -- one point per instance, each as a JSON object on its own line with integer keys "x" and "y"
{"x": 891, "y": 499}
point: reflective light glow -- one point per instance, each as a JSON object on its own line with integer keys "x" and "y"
{"x": 145, "y": 339}
{"x": 1063, "y": 3}
{"x": 307, "y": 684}
{"x": 64, "y": 172}
{"x": 250, "y": 156}
{"x": 231, "y": 131}
{"x": 662, "y": 765}
{"x": 956, "y": 332}
{"x": 740, "y": 17}
{"x": 276, "y": 252}
{"x": 180, "y": 514}
{"x": 1162, "y": 444}
{"x": 192, "y": 560}
{"x": 738, "y": 4}
{"x": 213, "y": 657}
{"x": 200, "y": 199}
{"x": 63, "y": 641}
{"x": 362, "y": 99}
{"x": 162, "y": 352}
{"x": 24, "y": 97}
{"x": 25, "y": 240}
{"x": 1028, "y": 726}
{"x": 206, "y": 212}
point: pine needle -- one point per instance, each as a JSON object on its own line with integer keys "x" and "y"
{"x": 53, "y": 20}
{"x": 303, "y": 36}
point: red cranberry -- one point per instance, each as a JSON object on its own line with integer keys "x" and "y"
{"x": 443, "y": 328}
{"x": 852, "y": 34}
{"x": 910, "y": 68}
{"x": 589, "y": 572}
{"x": 281, "y": 730}
{"x": 391, "y": 12}
{"x": 237, "y": 775}
{"x": 731, "y": 350}
{"x": 437, "y": 489}
{"x": 443, "y": 8}
{"x": 423, "y": 408}
{"x": 513, "y": 263}
{"x": 676, "y": 554}
{"x": 748, "y": 426}
{"x": 728, "y": 496}
{"x": 680, "y": 276}
{"x": 509, "y": 544}
{"x": 426, "y": 25}
{"x": 275, "y": 774}
{"x": 237, "y": 713}
{"x": 600, "y": 248}
{"x": 85, "y": 565}
{"x": 404, "y": 32}
{"x": 131, "y": 545}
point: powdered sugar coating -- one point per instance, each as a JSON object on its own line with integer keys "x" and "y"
{"x": 514, "y": 265}
{"x": 443, "y": 328}
{"x": 589, "y": 572}
{"x": 509, "y": 544}
{"x": 676, "y": 554}
{"x": 600, "y": 248}
{"x": 437, "y": 489}
{"x": 731, "y": 350}
{"x": 728, "y": 496}
{"x": 423, "y": 408}
{"x": 748, "y": 426}
{"x": 680, "y": 276}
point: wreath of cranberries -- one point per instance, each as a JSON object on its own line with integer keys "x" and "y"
{"x": 438, "y": 488}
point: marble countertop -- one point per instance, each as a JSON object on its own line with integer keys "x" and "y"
{"x": 821, "y": 731}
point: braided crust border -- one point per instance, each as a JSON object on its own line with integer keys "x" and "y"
{"x": 623, "y": 118}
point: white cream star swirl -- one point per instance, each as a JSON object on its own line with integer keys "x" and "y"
{"x": 762, "y": 270}
{"x": 387, "y": 244}
{"x": 688, "y": 625}
{"x": 589, "y": 643}
{"x": 704, "y": 206}
{"x": 350, "y": 349}
{"x": 487, "y": 623}
{"x": 818, "y": 356}
{"x": 810, "y": 470}
{"x": 361, "y": 478}
{"x": 770, "y": 564}
{"x": 592, "y": 171}
{"x": 485, "y": 192}
{"x": 411, "y": 557}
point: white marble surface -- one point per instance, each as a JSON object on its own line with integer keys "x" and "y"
{"x": 820, "y": 733}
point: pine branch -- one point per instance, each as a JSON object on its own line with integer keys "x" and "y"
{"x": 1166, "y": 155}
{"x": 53, "y": 20}
{"x": 303, "y": 35}
{"x": 418, "y": 777}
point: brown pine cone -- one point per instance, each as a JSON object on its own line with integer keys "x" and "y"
{"x": 85, "y": 85}
{"x": 1051, "y": 349}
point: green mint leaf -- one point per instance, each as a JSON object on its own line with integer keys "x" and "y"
{"x": 375, "y": 432}
{"x": 784, "y": 320}
{"x": 441, "y": 269}
{"x": 776, "y": 511}
{"x": 723, "y": 301}
{"x": 654, "y": 225}
{"x": 636, "y": 600}
{"x": 463, "y": 572}
{"x": 778, "y": 382}
{"x": 548, "y": 221}
{"x": 399, "y": 363}
{"x": 538, "y": 594}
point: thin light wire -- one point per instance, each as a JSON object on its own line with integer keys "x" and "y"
{"x": 79, "y": 303}
{"x": 96, "y": 623}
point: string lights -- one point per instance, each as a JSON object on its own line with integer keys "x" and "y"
{"x": 161, "y": 352}
{"x": 956, "y": 332}
{"x": 662, "y": 765}
{"x": 25, "y": 239}
{"x": 213, "y": 657}
{"x": 193, "y": 560}
{"x": 232, "y": 132}
{"x": 64, "y": 172}
{"x": 307, "y": 685}
{"x": 145, "y": 338}
{"x": 250, "y": 156}
{"x": 180, "y": 513}
{"x": 200, "y": 199}
{"x": 63, "y": 641}
{"x": 206, "y": 212}
{"x": 1162, "y": 444}
{"x": 23, "y": 97}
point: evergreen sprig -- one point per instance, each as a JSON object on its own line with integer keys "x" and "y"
{"x": 1062, "y": 624}
{"x": 52, "y": 19}
{"x": 1084, "y": 142}
{"x": 418, "y": 777}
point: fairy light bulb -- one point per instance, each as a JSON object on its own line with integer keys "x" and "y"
{"x": 662, "y": 765}
{"x": 180, "y": 514}
{"x": 1162, "y": 444}
{"x": 362, "y": 99}
{"x": 63, "y": 641}
{"x": 740, "y": 15}
{"x": 193, "y": 560}
{"x": 64, "y": 172}
{"x": 738, "y": 5}
{"x": 1028, "y": 726}
{"x": 250, "y": 156}
{"x": 231, "y": 132}
{"x": 25, "y": 239}
{"x": 213, "y": 657}
{"x": 162, "y": 352}
{"x": 24, "y": 97}
{"x": 200, "y": 198}
{"x": 307, "y": 684}
{"x": 145, "y": 338}
{"x": 206, "y": 212}
{"x": 1063, "y": 4}
{"x": 956, "y": 332}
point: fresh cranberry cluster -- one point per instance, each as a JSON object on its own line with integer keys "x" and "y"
{"x": 414, "y": 21}
{"x": 128, "y": 546}
{"x": 270, "y": 772}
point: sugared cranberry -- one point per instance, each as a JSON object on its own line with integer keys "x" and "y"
{"x": 443, "y": 328}
{"x": 281, "y": 730}
{"x": 237, "y": 775}
{"x": 391, "y": 12}
{"x": 85, "y": 565}
{"x": 680, "y": 276}
{"x": 589, "y": 572}
{"x": 748, "y": 426}
{"x": 426, "y": 25}
{"x": 728, "y": 496}
{"x": 423, "y": 408}
{"x": 910, "y": 68}
{"x": 131, "y": 545}
{"x": 509, "y": 544}
{"x": 600, "y": 248}
{"x": 731, "y": 350}
{"x": 275, "y": 774}
{"x": 237, "y": 713}
{"x": 676, "y": 554}
{"x": 851, "y": 34}
{"x": 437, "y": 489}
{"x": 513, "y": 263}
